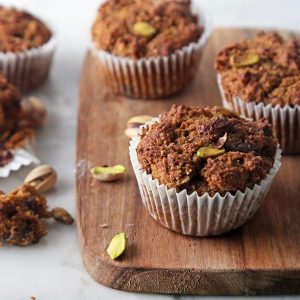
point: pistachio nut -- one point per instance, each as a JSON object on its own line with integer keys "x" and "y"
{"x": 144, "y": 29}
{"x": 221, "y": 141}
{"x": 244, "y": 60}
{"x": 108, "y": 174}
{"x": 43, "y": 178}
{"x": 209, "y": 152}
{"x": 35, "y": 111}
{"x": 134, "y": 123}
{"x": 62, "y": 216}
{"x": 117, "y": 245}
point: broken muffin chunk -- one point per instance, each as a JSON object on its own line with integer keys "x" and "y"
{"x": 21, "y": 214}
{"x": 207, "y": 150}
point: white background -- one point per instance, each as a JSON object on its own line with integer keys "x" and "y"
{"x": 53, "y": 268}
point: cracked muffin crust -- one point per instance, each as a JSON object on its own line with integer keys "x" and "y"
{"x": 166, "y": 26}
{"x": 264, "y": 69}
{"x": 20, "y": 31}
{"x": 169, "y": 150}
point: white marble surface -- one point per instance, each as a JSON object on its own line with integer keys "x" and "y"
{"x": 53, "y": 269}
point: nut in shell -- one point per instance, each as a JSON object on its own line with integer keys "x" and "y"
{"x": 43, "y": 178}
{"x": 108, "y": 174}
{"x": 35, "y": 111}
{"x": 62, "y": 216}
{"x": 134, "y": 123}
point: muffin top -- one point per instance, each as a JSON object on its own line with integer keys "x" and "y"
{"x": 145, "y": 28}
{"x": 20, "y": 31}
{"x": 264, "y": 69}
{"x": 206, "y": 150}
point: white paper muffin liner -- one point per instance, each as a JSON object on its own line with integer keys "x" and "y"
{"x": 21, "y": 157}
{"x": 199, "y": 215}
{"x": 154, "y": 77}
{"x": 285, "y": 120}
{"x": 28, "y": 69}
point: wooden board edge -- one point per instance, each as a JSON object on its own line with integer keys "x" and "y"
{"x": 193, "y": 282}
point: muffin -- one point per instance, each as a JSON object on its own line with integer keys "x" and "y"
{"x": 260, "y": 77}
{"x": 148, "y": 48}
{"x": 204, "y": 171}
{"x": 16, "y": 133}
{"x": 26, "y": 48}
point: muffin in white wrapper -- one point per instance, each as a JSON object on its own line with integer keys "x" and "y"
{"x": 285, "y": 120}
{"x": 154, "y": 77}
{"x": 30, "y": 68}
{"x": 23, "y": 156}
{"x": 199, "y": 215}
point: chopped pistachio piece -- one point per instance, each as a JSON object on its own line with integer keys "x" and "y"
{"x": 209, "y": 152}
{"x": 107, "y": 174}
{"x": 244, "y": 60}
{"x": 144, "y": 29}
{"x": 117, "y": 245}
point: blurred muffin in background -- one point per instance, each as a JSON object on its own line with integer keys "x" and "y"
{"x": 26, "y": 48}
{"x": 149, "y": 48}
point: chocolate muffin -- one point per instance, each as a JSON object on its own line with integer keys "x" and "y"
{"x": 260, "y": 77}
{"x": 27, "y": 46}
{"x": 148, "y": 30}
{"x": 204, "y": 171}
{"x": 207, "y": 150}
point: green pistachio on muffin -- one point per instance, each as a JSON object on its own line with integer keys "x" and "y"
{"x": 244, "y": 60}
{"x": 144, "y": 29}
{"x": 209, "y": 152}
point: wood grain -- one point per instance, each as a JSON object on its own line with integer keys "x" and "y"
{"x": 261, "y": 257}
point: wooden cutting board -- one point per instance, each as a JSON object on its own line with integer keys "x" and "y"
{"x": 261, "y": 257}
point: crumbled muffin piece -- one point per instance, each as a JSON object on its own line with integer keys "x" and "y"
{"x": 168, "y": 150}
{"x": 21, "y": 212}
{"x": 174, "y": 26}
{"x": 274, "y": 78}
{"x": 20, "y": 31}
{"x": 15, "y": 131}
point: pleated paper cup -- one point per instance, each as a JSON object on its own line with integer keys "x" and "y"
{"x": 199, "y": 215}
{"x": 23, "y": 156}
{"x": 154, "y": 77}
{"x": 285, "y": 120}
{"x": 29, "y": 69}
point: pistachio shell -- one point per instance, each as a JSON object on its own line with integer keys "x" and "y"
{"x": 144, "y": 29}
{"x": 108, "y": 174}
{"x": 244, "y": 60}
{"x": 131, "y": 132}
{"x": 43, "y": 178}
{"x": 221, "y": 141}
{"x": 209, "y": 152}
{"x": 137, "y": 121}
{"x": 117, "y": 245}
{"x": 134, "y": 123}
